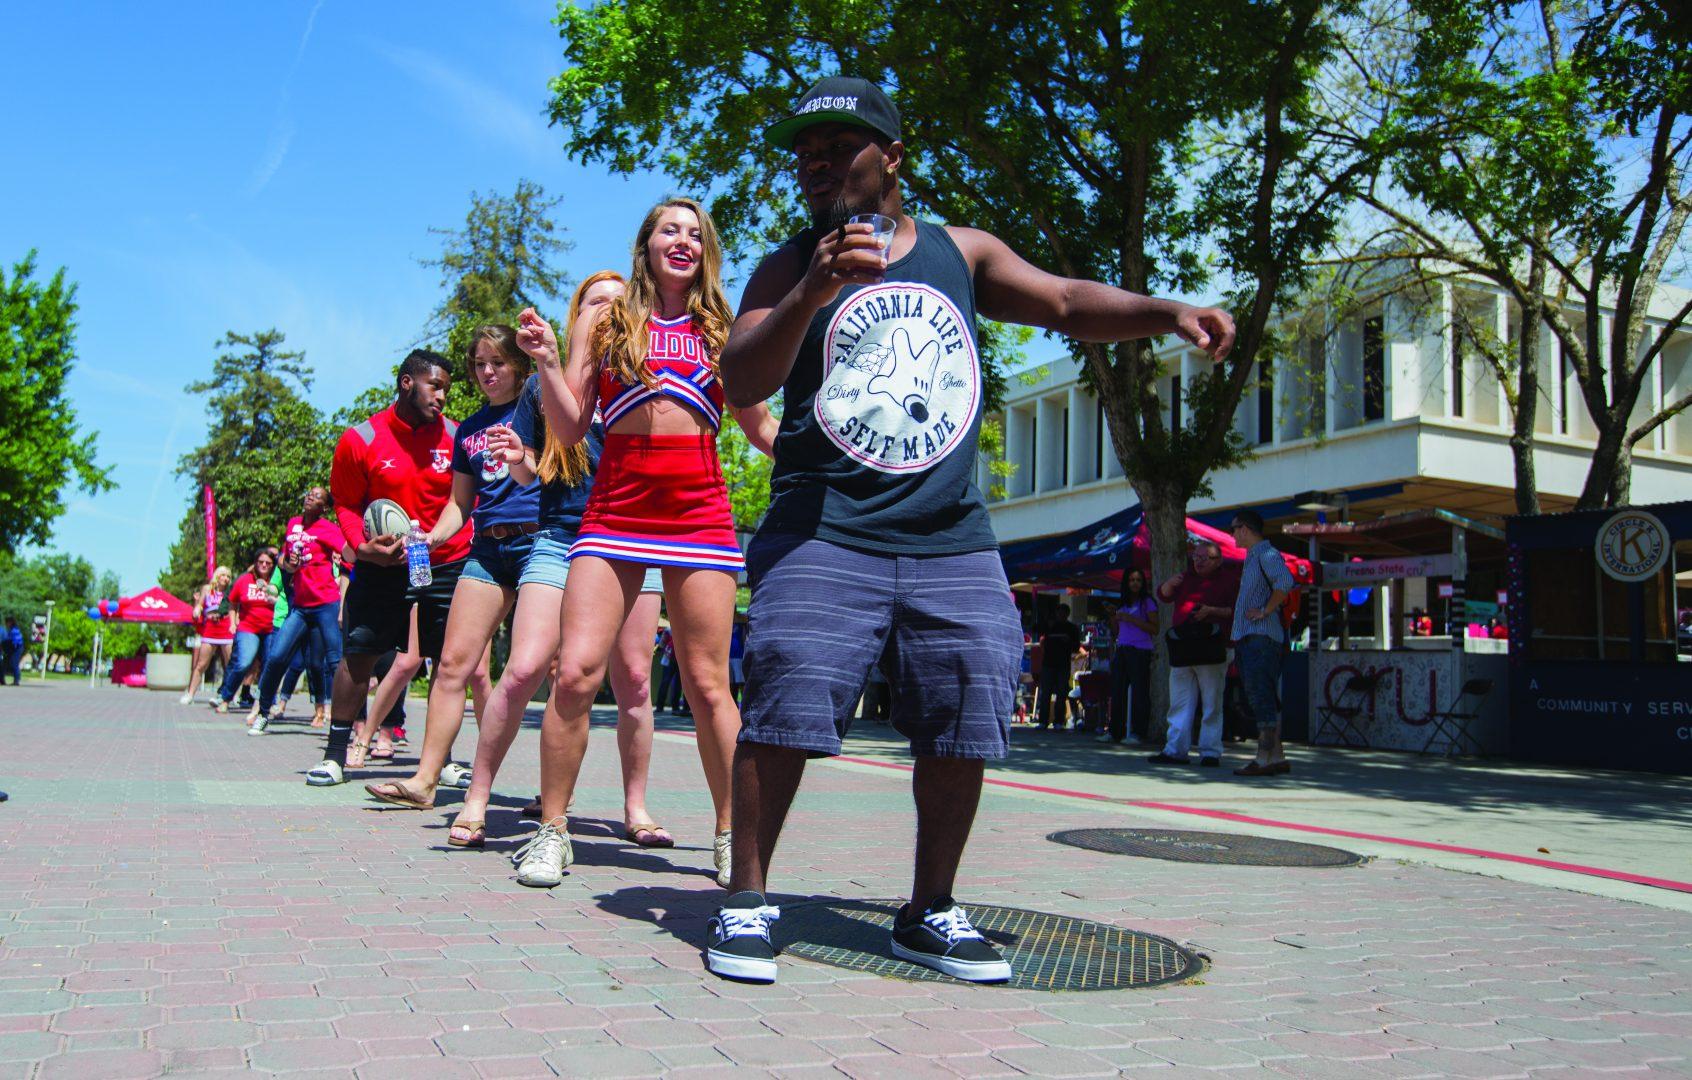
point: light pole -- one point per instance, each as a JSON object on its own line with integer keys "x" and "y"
{"x": 47, "y": 641}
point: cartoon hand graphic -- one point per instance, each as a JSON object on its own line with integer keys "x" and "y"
{"x": 908, "y": 377}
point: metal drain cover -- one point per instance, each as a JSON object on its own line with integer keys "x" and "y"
{"x": 1046, "y": 952}
{"x": 1180, "y": 845}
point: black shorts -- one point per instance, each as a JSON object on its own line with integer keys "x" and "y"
{"x": 378, "y": 609}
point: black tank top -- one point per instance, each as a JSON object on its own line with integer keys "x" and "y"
{"x": 882, "y": 412}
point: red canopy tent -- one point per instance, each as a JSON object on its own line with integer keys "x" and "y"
{"x": 154, "y": 606}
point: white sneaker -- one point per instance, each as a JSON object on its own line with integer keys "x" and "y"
{"x": 456, "y": 775}
{"x": 541, "y": 861}
{"x": 185, "y": 699}
{"x": 326, "y": 773}
{"x": 257, "y": 728}
{"x": 722, "y": 853}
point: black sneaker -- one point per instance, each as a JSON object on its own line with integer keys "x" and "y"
{"x": 1165, "y": 759}
{"x": 943, "y": 939}
{"x": 740, "y": 939}
{"x": 1210, "y": 762}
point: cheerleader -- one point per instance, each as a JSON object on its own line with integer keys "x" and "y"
{"x": 647, "y": 363}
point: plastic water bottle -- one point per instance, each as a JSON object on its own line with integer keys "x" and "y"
{"x": 417, "y": 556}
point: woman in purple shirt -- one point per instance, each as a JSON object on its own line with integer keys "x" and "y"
{"x": 1136, "y": 637}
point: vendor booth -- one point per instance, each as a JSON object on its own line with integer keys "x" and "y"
{"x": 1084, "y": 569}
{"x": 161, "y": 671}
{"x": 1405, "y": 630}
{"x": 1600, "y": 614}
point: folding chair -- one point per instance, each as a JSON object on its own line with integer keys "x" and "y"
{"x": 1342, "y": 716}
{"x": 1453, "y": 723}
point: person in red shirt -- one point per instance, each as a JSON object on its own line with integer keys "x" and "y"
{"x": 255, "y": 616}
{"x": 1201, "y": 602}
{"x": 311, "y": 545}
{"x": 403, "y": 453}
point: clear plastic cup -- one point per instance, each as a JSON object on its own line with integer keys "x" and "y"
{"x": 883, "y": 227}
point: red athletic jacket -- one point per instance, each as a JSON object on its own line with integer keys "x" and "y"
{"x": 386, "y": 458}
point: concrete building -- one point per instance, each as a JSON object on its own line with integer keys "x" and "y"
{"x": 1388, "y": 411}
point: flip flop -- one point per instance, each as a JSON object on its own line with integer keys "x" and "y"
{"x": 477, "y": 830}
{"x": 399, "y": 796}
{"x": 656, "y": 835}
{"x": 378, "y": 754}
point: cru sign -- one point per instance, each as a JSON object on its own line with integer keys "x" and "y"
{"x": 1632, "y": 545}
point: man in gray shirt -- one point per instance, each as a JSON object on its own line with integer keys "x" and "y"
{"x": 1260, "y": 641}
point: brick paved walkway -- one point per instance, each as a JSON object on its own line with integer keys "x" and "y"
{"x": 174, "y": 900}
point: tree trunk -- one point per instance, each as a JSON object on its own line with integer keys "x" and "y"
{"x": 1166, "y": 526}
{"x": 1527, "y": 395}
{"x": 1601, "y": 476}
{"x": 1621, "y": 476}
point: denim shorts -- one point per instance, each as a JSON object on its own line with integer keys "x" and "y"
{"x": 942, "y": 628}
{"x": 498, "y": 562}
{"x": 549, "y": 562}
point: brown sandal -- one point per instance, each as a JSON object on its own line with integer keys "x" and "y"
{"x": 656, "y": 836}
{"x": 399, "y": 796}
{"x": 477, "y": 830}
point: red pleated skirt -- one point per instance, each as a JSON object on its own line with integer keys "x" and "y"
{"x": 660, "y": 500}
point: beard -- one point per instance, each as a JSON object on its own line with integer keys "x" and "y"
{"x": 838, "y": 212}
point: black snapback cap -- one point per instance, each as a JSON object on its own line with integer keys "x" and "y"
{"x": 838, "y": 99}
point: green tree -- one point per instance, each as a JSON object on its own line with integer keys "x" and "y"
{"x": 499, "y": 263}
{"x": 747, "y": 473}
{"x": 1545, "y": 149}
{"x": 71, "y": 582}
{"x": 41, "y": 447}
{"x": 1155, "y": 145}
{"x": 265, "y": 444}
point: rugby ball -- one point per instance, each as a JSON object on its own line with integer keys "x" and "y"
{"x": 385, "y": 517}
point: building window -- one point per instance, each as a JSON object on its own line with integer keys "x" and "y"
{"x": 1265, "y": 401}
{"x": 1099, "y": 437}
{"x": 1063, "y": 480}
{"x": 1374, "y": 370}
{"x": 1562, "y": 390}
{"x": 1175, "y": 402}
{"x": 1033, "y": 449}
{"x": 1459, "y": 366}
{"x": 1318, "y": 358}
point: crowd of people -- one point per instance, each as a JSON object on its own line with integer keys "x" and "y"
{"x": 586, "y": 496}
{"x": 1210, "y": 616}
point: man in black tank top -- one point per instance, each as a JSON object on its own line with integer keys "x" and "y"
{"x": 877, "y": 547}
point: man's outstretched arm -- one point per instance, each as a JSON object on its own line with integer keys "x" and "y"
{"x": 1010, "y": 289}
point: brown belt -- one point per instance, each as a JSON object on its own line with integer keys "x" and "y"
{"x": 506, "y": 532}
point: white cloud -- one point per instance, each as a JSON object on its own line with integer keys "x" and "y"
{"x": 480, "y": 107}
{"x": 282, "y": 131}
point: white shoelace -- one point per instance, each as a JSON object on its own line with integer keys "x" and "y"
{"x": 951, "y": 924}
{"x": 738, "y": 922}
{"x": 547, "y": 843}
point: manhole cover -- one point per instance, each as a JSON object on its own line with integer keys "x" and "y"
{"x": 1046, "y": 952}
{"x": 1179, "y": 845}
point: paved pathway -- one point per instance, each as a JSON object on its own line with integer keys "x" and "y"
{"x": 174, "y": 899}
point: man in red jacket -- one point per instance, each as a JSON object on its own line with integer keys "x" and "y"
{"x": 403, "y": 453}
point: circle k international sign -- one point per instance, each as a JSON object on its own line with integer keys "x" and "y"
{"x": 1632, "y": 545}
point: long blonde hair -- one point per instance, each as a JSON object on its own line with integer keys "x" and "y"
{"x": 622, "y": 335}
{"x": 558, "y": 462}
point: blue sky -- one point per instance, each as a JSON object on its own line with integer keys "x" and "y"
{"x": 200, "y": 167}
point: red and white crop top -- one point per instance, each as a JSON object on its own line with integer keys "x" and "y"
{"x": 676, "y": 355}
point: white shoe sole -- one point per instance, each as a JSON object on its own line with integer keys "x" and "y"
{"x": 323, "y": 780}
{"x": 256, "y": 730}
{"x": 968, "y": 970}
{"x": 535, "y": 881}
{"x": 747, "y": 968}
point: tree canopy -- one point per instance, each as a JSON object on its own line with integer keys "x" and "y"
{"x": 42, "y": 448}
{"x": 265, "y": 445}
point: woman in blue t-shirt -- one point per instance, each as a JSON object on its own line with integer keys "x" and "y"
{"x": 505, "y": 512}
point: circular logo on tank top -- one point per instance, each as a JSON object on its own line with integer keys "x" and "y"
{"x": 901, "y": 379}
